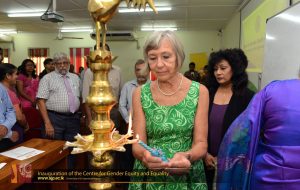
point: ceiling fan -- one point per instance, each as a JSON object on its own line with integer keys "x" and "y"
{"x": 61, "y": 37}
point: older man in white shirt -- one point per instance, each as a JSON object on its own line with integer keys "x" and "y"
{"x": 125, "y": 103}
{"x": 58, "y": 102}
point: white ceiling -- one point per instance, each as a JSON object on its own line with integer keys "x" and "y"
{"x": 186, "y": 15}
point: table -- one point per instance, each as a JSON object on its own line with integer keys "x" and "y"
{"x": 54, "y": 157}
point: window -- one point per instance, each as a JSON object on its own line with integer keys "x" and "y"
{"x": 6, "y": 55}
{"x": 77, "y": 57}
{"x": 38, "y": 55}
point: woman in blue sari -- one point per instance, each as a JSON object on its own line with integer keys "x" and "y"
{"x": 261, "y": 149}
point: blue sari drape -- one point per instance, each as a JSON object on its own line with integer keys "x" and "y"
{"x": 261, "y": 148}
{"x": 237, "y": 151}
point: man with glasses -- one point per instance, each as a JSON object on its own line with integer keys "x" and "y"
{"x": 58, "y": 102}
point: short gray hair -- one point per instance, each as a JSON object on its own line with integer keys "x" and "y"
{"x": 154, "y": 42}
{"x": 139, "y": 62}
{"x": 59, "y": 56}
{"x": 145, "y": 69}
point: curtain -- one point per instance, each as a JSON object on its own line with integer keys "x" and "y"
{"x": 77, "y": 57}
{"x": 6, "y": 55}
{"x": 38, "y": 55}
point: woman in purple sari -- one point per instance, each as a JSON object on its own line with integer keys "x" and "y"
{"x": 261, "y": 149}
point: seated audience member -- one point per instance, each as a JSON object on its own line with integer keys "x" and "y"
{"x": 229, "y": 97}
{"x": 7, "y": 117}
{"x": 192, "y": 74}
{"x": 8, "y": 79}
{"x": 49, "y": 66}
{"x": 142, "y": 73}
{"x": 260, "y": 150}
{"x": 27, "y": 84}
{"x": 170, "y": 114}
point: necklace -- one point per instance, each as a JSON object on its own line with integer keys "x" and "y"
{"x": 172, "y": 93}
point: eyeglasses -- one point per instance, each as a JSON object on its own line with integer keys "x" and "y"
{"x": 62, "y": 63}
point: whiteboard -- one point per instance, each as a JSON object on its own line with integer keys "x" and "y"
{"x": 282, "y": 47}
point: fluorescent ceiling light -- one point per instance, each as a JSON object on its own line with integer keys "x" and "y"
{"x": 289, "y": 17}
{"x": 158, "y": 28}
{"x": 128, "y": 10}
{"x": 8, "y": 31}
{"x": 25, "y": 14}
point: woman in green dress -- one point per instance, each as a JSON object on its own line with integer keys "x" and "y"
{"x": 170, "y": 114}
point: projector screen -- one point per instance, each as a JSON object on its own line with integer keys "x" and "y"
{"x": 254, "y": 31}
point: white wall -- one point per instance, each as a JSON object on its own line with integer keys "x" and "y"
{"x": 127, "y": 52}
{"x": 231, "y": 32}
{"x": 295, "y": 1}
{"x": 249, "y": 8}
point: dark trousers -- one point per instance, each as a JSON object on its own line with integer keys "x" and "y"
{"x": 116, "y": 117}
{"x": 123, "y": 160}
{"x": 210, "y": 174}
{"x": 65, "y": 128}
{"x": 20, "y": 131}
{"x": 6, "y": 143}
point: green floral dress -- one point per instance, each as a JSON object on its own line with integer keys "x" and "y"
{"x": 170, "y": 128}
